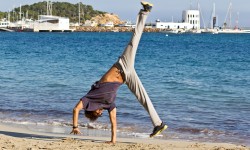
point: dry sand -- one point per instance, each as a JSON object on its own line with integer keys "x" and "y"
{"x": 13, "y": 138}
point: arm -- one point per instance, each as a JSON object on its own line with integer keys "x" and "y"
{"x": 112, "y": 116}
{"x": 76, "y": 110}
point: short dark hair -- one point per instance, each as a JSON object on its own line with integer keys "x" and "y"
{"x": 90, "y": 115}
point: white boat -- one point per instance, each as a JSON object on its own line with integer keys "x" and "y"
{"x": 233, "y": 31}
{"x": 198, "y": 31}
{"x": 127, "y": 24}
{"x": 210, "y": 31}
{"x": 173, "y": 31}
{"x": 213, "y": 29}
{"x": 4, "y": 23}
{"x": 23, "y": 25}
{"x": 227, "y": 26}
{"x": 115, "y": 30}
{"x": 108, "y": 24}
{"x": 50, "y": 23}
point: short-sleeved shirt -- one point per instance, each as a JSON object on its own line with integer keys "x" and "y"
{"x": 101, "y": 96}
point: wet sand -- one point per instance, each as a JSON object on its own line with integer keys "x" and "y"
{"x": 14, "y": 138}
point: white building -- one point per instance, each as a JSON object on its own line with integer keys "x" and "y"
{"x": 108, "y": 24}
{"x": 173, "y": 25}
{"x": 190, "y": 20}
{"x": 192, "y": 17}
{"x": 89, "y": 23}
{"x": 127, "y": 24}
{"x": 48, "y": 23}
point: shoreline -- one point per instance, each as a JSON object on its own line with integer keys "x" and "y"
{"x": 15, "y": 137}
{"x": 147, "y": 29}
{"x": 111, "y": 29}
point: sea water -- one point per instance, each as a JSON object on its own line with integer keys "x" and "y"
{"x": 199, "y": 84}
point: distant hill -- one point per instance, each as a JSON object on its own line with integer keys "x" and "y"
{"x": 63, "y": 9}
{"x": 2, "y": 15}
{"x": 102, "y": 19}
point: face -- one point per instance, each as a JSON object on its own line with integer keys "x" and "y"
{"x": 98, "y": 112}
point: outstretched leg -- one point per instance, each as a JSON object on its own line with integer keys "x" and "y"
{"x": 127, "y": 59}
{"x": 136, "y": 87}
{"x": 126, "y": 64}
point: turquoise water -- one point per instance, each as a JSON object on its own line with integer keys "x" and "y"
{"x": 199, "y": 84}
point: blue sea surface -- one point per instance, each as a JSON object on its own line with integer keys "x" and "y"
{"x": 199, "y": 84}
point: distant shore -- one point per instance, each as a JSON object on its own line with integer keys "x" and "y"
{"x": 111, "y": 29}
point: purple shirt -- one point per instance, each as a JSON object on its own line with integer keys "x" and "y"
{"x": 101, "y": 96}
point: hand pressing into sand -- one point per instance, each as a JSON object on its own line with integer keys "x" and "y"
{"x": 75, "y": 131}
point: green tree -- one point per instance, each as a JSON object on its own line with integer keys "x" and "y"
{"x": 3, "y": 15}
{"x": 62, "y": 9}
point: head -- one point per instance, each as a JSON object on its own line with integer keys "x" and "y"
{"x": 93, "y": 115}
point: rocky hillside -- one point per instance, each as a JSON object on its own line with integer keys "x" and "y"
{"x": 104, "y": 18}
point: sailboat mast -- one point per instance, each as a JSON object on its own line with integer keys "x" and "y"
{"x": 49, "y": 7}
{"x": 230, "y": 18}
{"x": 13, "y": 15}
{"x": 214, "y": 18}
{"x": 20, "y": 13}
{"x": 79, "y": 21}
{"x": 9, "y": 15}
{"x": 27, "y": 14}
{"x": 201, "y": 16}
{"x": 237, "y": 21}
{"x": 229, "y": 11}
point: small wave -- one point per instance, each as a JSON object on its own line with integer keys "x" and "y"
{"x": 200, "y": 131}
{"x": 55, "y": 85}
{"x": 14, "y": 121}
{"x": 189, "y": 130}
{"x": 96, "y": 126}
{"x": 212, "y": 132}
{"x": 25, "y": 113}
{"x": 140, "y": 135}
{"x": 185, "y": 82}
{"x": 6, "y": 78}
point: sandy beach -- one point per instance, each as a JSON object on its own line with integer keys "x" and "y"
{"x": 14, "y": 138}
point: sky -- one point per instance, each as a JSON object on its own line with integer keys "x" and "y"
{"x": 165, "y": 10}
